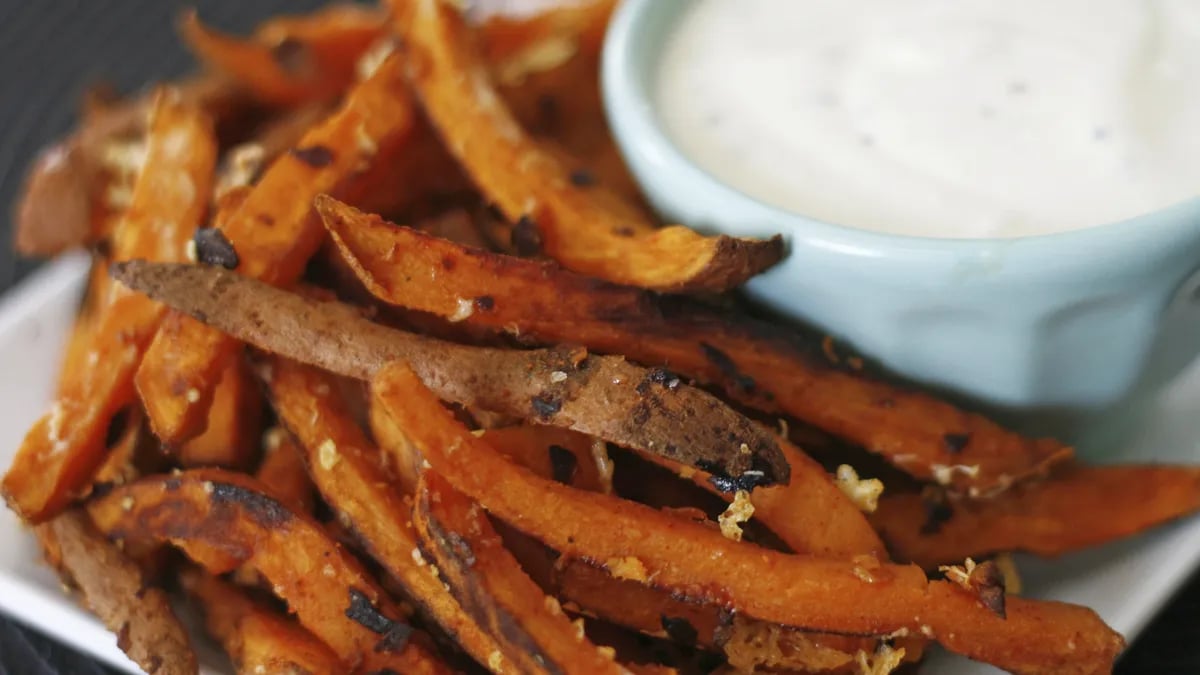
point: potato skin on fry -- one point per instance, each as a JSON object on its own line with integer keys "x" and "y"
{"x": 587, "y": 230}
{"x": 601, "y": 396}
{"x": 114, "y": 589}
{"x": 489, "y": 583}
{"x": 223, "y": 519}
{"x": 1077, "y": 507}
{"x": 763, "y": 366}
{"x": 825, "y": 595}
{"x": 274, "y": 234}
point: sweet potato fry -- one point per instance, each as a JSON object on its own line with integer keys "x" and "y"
{"x": 112, "y": 586}
{"x": 1075, "y": 508}
{"x": 230, "y": 440}
{"x": 488, "y": 582}
{"x": 810, "y": 514}
{"x": 62, "y": 204}
{"x": 601, "y": 396}
{"x": 203, "y": 511}
{"x": 257, "y": 639}
{"x": 347, "y": 470}
{"x": 283, "y": 471}
{"x": 273, "y": 233}
{"x": 747, "y": 643}
{"x": 290, "y": 60}
{"x": 585, "y": 228}
{"x": 63, "y": 449}
{"x": 762, "y": 365}
{"x": 550, "y": 452}
{"x": 807, "y": 592}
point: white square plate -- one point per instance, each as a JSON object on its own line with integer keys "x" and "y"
{"x": 1124, "y": 582}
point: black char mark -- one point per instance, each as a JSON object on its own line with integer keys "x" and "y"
{"x": 545, "y": 405}
{"x": 363, "y": 612}
{"x": 582, "y": 178}
{"x": 660, "y": 376}
{"x": 956, "y": 442}
{"x": 265, "y": 510}
{"x": 316, "y": 156}
{"x": 727, "y": 367}
{"x": 525, "y": 237}
{"x": 213, "y": 248}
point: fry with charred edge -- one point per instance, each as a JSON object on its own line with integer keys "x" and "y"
{"x": 809, "y": 514}
{"x": 217, "y": 515}
{"x": 274, "y": 233}
{"x": 1074, "y": 508}
{"x": 290, "y": 60}
{"x": 629, "y": 603}
{"x": 230, "y": 439}
{"x": 347, "y": 470}
{"x": 748, "y": 643}
{"x": 565, "y": 387}
{"x": 764, "y": 366}
{"x": 283, "y": 471}
{"x": 818, "y": 594}
{"x": 61, "y": 204}
{"x": 113, "y": 588}
{"x": 257, "y": 639}
{"x": 63, "y": 449}
{"x": 588, "y": 230}
{"x": 550, "y": 452}
{"x": 531, "y": 627}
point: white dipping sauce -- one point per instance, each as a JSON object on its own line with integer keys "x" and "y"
{"x": 941, "y": 118}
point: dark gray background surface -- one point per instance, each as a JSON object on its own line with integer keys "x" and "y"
{"x": 51, "y": 49}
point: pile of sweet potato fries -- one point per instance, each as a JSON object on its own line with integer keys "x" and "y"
{"x": 525, "y": 429}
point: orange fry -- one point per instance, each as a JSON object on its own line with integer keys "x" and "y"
{"x": 257, "y": 639}
{"x": 1075, "y": 508}
{"x": 807, "y": 592}
{"x": 290, "y": 60}
{"x": 274, "y": 233}
{"x": 347, "y": 470}
{"x": 585, "y": 228}
{"x": 487, "y": 580}
{"x": 63, "y": 449}
{"x": 551, "y": 452}
{"x": 231, "y": 438}
{"x": 217, "y": 515}
{"x": 765, "y": 366}
{"x": 283, "y": 471}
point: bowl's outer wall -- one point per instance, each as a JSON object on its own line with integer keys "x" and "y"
{"x": 1080, "y": 321}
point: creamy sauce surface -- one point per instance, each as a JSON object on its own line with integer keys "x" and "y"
{"x": 941, "y": 118}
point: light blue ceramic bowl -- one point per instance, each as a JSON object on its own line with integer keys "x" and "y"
{"x": 1066, "y": 324}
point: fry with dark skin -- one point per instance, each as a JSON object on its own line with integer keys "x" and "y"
{"x": 220, "y": 516}
{"x": 1076, "y": 507}
{"x": 290, "y": 60}
{"x": 61, "y": 204}
{"x": 273, "y": 233}
{"x": 761, "y": 365}
{"x": 63, "y": 449}
{"x": 346, "y": 468}
{"x": 257, "y": 638}
{"x": 588, "y": 230}
{"x": 818, "y": 594}
{"x": 600, "y": 396}
{"x": 113, "y": 587}
{"x": 531, "y": 628}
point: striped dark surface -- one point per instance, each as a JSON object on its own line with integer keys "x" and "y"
{"x": 51, "y": 49}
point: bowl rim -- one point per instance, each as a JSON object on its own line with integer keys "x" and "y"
{"x": 639, "y": 134}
